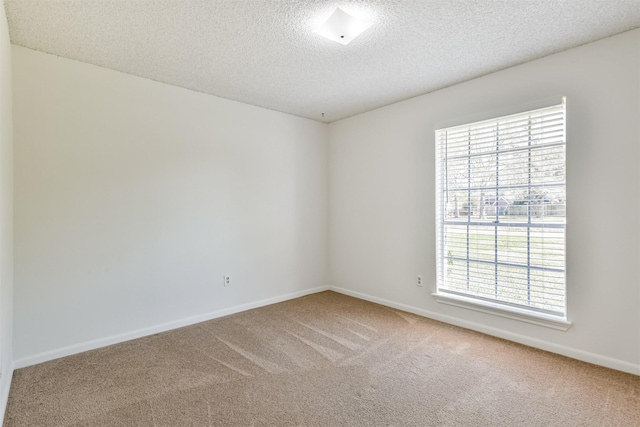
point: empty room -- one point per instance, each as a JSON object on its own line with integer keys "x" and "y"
{"x": 319, "y": 213}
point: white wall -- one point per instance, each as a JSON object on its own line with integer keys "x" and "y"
{"x": 133, "y": 199}
{"x": 382, "y": 201}
{"x": 6, "y": 214}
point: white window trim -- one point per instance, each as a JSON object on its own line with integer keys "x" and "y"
{"x": 500, "y": 309}
{"x": 514, "y": 313}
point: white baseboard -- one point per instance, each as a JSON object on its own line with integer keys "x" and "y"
{"x": 584, "y": 356}
{"x": 139, "y": 333}
{"x": 573, "y": 353}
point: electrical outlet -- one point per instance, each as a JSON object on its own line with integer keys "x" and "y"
{"x": 227, "y": 280}
{"x": 419, "y": 280}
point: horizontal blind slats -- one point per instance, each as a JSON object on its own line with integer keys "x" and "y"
{"x": 501, "y": 204}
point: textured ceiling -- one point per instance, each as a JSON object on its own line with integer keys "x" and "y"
{"x": 265, "y": 53}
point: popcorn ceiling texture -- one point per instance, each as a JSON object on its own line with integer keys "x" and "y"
{"x": 266, "y": 53}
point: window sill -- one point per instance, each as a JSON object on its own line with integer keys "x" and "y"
{"x": 514, "y": 313}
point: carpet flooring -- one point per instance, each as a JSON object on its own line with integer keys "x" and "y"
{"x": 321, "y": 360}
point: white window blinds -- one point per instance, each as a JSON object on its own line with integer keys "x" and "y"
{"x": 501, "y": 210}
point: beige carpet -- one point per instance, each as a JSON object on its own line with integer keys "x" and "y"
{"x": 322, "y": 360}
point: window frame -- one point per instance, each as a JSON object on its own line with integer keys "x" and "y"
{"x": 557, "y": 320}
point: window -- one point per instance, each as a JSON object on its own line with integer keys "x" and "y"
{"x": 501, "y": 213}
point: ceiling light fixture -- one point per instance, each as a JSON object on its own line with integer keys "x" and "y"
{"x": 342, "y": 27}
